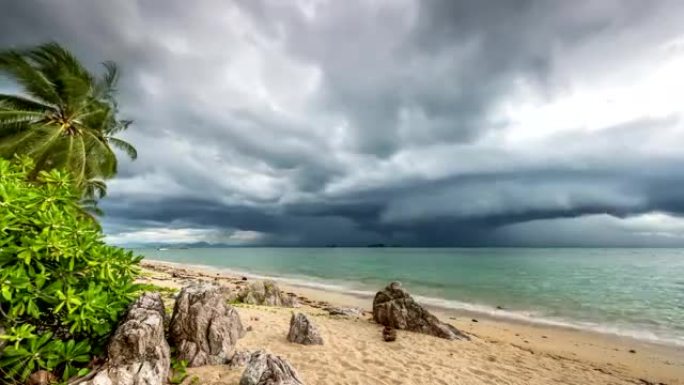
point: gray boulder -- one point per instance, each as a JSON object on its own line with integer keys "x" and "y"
{"x": 303, "y": 331}
{"x": 267, "y": 369}
{"x": 266, "y": 293}
{"x": 394, "y": 307}
{"x": 138, "y": 353}
{"x": 204, "y": 328}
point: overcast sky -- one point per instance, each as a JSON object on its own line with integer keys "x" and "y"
{"x": 431, "y": 123}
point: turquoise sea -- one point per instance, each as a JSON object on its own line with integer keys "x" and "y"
{"x": 631, "y": 292}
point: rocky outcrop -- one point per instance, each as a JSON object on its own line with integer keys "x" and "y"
{"x": 204, "y": 328}
{"x": 303, "y": 331}
{"x": 268, "y": 369}
{"x": 266, "y": 293}
{"x": 138, "y": 353}
{"x": 394, "y": 307}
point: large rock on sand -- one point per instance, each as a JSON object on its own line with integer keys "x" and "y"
{"x": 394, "y": 307}
{"x": 266, "y": 293}
{"x": 303, "y": 331}
{"x": 204, "y": 328}
{"x": 267, "y": 369}
{"x": 138, "y": 353}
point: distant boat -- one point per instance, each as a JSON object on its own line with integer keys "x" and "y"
{"x": 162, "y": 248}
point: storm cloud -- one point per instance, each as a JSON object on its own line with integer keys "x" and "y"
{"x": 420, "y": 123}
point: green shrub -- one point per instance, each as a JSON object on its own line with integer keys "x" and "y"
{"x": 62, "y": 289}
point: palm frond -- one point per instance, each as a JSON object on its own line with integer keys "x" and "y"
{"x": 13, "y": 102}
{"x": 30, "y": 78}
{"x": 123, "y": 146}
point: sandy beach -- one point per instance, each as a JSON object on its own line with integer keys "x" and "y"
{"x": 500, "y": 352}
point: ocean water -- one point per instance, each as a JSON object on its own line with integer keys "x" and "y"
{"x": 630, "y": 292}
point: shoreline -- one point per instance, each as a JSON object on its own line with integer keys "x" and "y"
{"x": 626, "y": 357}
{"x": 363, "y": 299}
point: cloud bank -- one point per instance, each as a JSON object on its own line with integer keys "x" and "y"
{"x": 431, "y": 123}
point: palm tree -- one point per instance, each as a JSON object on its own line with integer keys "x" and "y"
{"x": 65, "y": 118}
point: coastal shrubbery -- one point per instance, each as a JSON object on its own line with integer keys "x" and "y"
{"x": 62, "y": 289}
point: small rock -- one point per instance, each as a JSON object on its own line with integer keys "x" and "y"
{"x": 344, "y": 311}
{"x": 249, "y": 328}
{"x": 474, "y": 320}
{"x": 268, "y": 369}
{"x": 240, "y": 358}
{"x": 500, "y": 307}
{"x": 244, "y": 278}
{"x": 389, "y": 334}
{"x": 632, "y": 351}
{"x": 265, "y": 293}
{"x": 41, "y": 377}
{"x": 545, "y": 337}
{"x": 303, "y": 331}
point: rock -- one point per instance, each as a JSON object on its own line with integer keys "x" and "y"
{"x": 268, "y": 369}
{"x": 266, "y": 293}
{"x": 632, "y": 351}
{"x": 394, "y": 307}
{"x": 344, "y": 311}
{"x": 204, "y": 328}
{"x": 244, "y": 278}
{"x": 240, "y": 358}
{"x": 41, "y": 377}
{"x": 303, "y": 331}
{"x": 389, "y": 334}
{"x": 249, "y": 328}
{"x": 138, "y": 353}
{"x": 474, "y": 320}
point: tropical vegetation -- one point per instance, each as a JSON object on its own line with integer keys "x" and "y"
{"x": 62, "y": 289}
{"x": 66, "y": 117}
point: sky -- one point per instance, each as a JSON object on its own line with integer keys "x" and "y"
{"x": 417, "y": 123}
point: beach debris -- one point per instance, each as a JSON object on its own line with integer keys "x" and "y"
{"x": 393, "y": 306}
{"x": 137, "y": 352}
{"x": 266, "y": 293}
{"x": 240, "y": 358}
{"x": 41, "y": 377}
{"x": 204, "y": 328}
{"x": 268, "y": 369}
{"x": 344, "y": 311}
{"x": 389, "y": 334}
{"x": 303, "y": 331}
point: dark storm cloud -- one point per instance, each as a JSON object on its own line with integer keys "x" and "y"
{"x": 355, "y": 122}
